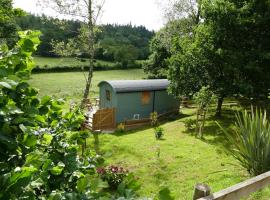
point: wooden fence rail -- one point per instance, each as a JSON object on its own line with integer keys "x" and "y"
{"x": 235, "y": 192}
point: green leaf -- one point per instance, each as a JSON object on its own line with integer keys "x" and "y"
{"x": 20, "y": 173}
{"x": 82, "y": 184}
{"x": 35, "y": 158}
{"x": 165, "y": 194}
{"x": 40, "y": 118}
{"x": 46, "y": 100}
{"x": 43, "y": 110}
{"x": 47, "y": 139}
{"x": 23, "y": 128}
{"x": 29, "y": 140}
{"x": 57, "y": 170}
{"x": 5, "y": 85}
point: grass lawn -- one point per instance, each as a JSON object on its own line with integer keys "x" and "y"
{"x": 58, "y": 62}
{"x": 184, "y": 160}
{"x": 70, "y": 85}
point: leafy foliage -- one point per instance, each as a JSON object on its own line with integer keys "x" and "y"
{"x": 159, "y": 132}
{"x": 229, "y": 45}
{"x": 251, "y": 141}
{"x": 204, "y": 98}
{"x": 39, "y": 144}
{"x": 8, "y": 26}
{"x": 189, "y": 124}
{"x": 38, "y": 155}
{"x": 161, "y": 47}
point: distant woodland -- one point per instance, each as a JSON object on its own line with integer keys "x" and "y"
{"x": 113, "y": 42}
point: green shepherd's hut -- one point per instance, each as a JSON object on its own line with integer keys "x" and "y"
{"x": 137, "y": 99}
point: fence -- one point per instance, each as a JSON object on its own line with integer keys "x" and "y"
{"x": 236, "y": 192}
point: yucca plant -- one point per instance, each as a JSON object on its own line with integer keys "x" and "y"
{"x": 251, "y": 141}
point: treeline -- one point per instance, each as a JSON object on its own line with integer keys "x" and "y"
{"x": 119, "y": 43}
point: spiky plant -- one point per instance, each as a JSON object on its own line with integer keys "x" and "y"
{"x": 251, "y": 141}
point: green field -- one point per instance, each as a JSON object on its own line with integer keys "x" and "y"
{"x": 70, "y": 85}
{"x": 50, "y": 62}
{"x": 184, "y": 160}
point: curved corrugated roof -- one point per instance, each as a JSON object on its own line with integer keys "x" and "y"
{"x": 121, "y": 86}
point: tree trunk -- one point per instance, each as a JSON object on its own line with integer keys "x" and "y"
{"x": 197, "y": 19}
{"x": 91, "y": 53}
{"x": 219, "y": 106}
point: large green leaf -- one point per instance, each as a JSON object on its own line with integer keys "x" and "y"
{"x": 57, "y": 170}
{"x": 5, "y": 85}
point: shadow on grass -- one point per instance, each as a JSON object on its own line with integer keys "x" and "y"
{"x": 146, "y": 127}
{"x": 212, "y": 133}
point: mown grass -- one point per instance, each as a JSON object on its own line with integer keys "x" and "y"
{"x": 184, "y": 160}
{"x": 51, "y": 62}
{"x": 70, "y": 85}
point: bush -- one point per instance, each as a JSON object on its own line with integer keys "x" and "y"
{"x": 121, "y": 127}
{"x": 159, "y": 132}
{"x": 251, "y": 141}
{"x": 154, "y": 118}
{"x": 189, "y": 124}
{"x": 114, "y": 175}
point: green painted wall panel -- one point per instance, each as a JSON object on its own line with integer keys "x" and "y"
{"x": 129, "y": 104}
{"x": 165, "y": 102}
{"x": 104, "y": 103}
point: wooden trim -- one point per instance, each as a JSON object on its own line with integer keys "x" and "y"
{"x": 242, "y": 189}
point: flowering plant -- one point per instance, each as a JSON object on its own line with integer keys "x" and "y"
{"x": 114, "y": 175}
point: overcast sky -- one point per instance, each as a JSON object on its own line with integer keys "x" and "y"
{"x": 138, "y": 12}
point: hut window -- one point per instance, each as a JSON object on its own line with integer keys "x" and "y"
{"x": 108, "y": 95}
{"x": 146, "y": 98}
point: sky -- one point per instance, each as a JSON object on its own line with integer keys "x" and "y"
{"x": 136, "y": 12}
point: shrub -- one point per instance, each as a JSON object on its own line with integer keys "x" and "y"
{"x": 189, "y": 124}
{"x": 159, "y": 132}
{"x": 251, "y": 141}
{"x": 114, "y": 175}
{"x": 121, "y": 127}
{"x": 154, "y": 118}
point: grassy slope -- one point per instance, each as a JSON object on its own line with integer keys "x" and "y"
{"x": 71, "y": 84}
{"x": 184, "y": 160}
{"x": 52, "y": 62}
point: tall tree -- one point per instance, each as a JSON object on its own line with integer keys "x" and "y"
{"x": 89, "y": 12}
{"x": 181, "y": 16}
{"x": 161, "y": 46}
{"x": 229, "y": 51}
{"x": 8, "y": 27}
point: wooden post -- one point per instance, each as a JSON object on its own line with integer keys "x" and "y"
{"x": 201, "y": 190}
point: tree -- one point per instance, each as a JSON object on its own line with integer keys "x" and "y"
{"x": 180, "y": 9}
{"x": 8, "y": 27}
{"x": 228, "y": 51}
{"x": 161, "y": 46}
{"x": 87, "y": 11}
{"x": 51, "y": 28}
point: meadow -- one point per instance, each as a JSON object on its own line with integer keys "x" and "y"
{"x": 70, "y": 85}
{"x": 51, "y": 62}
